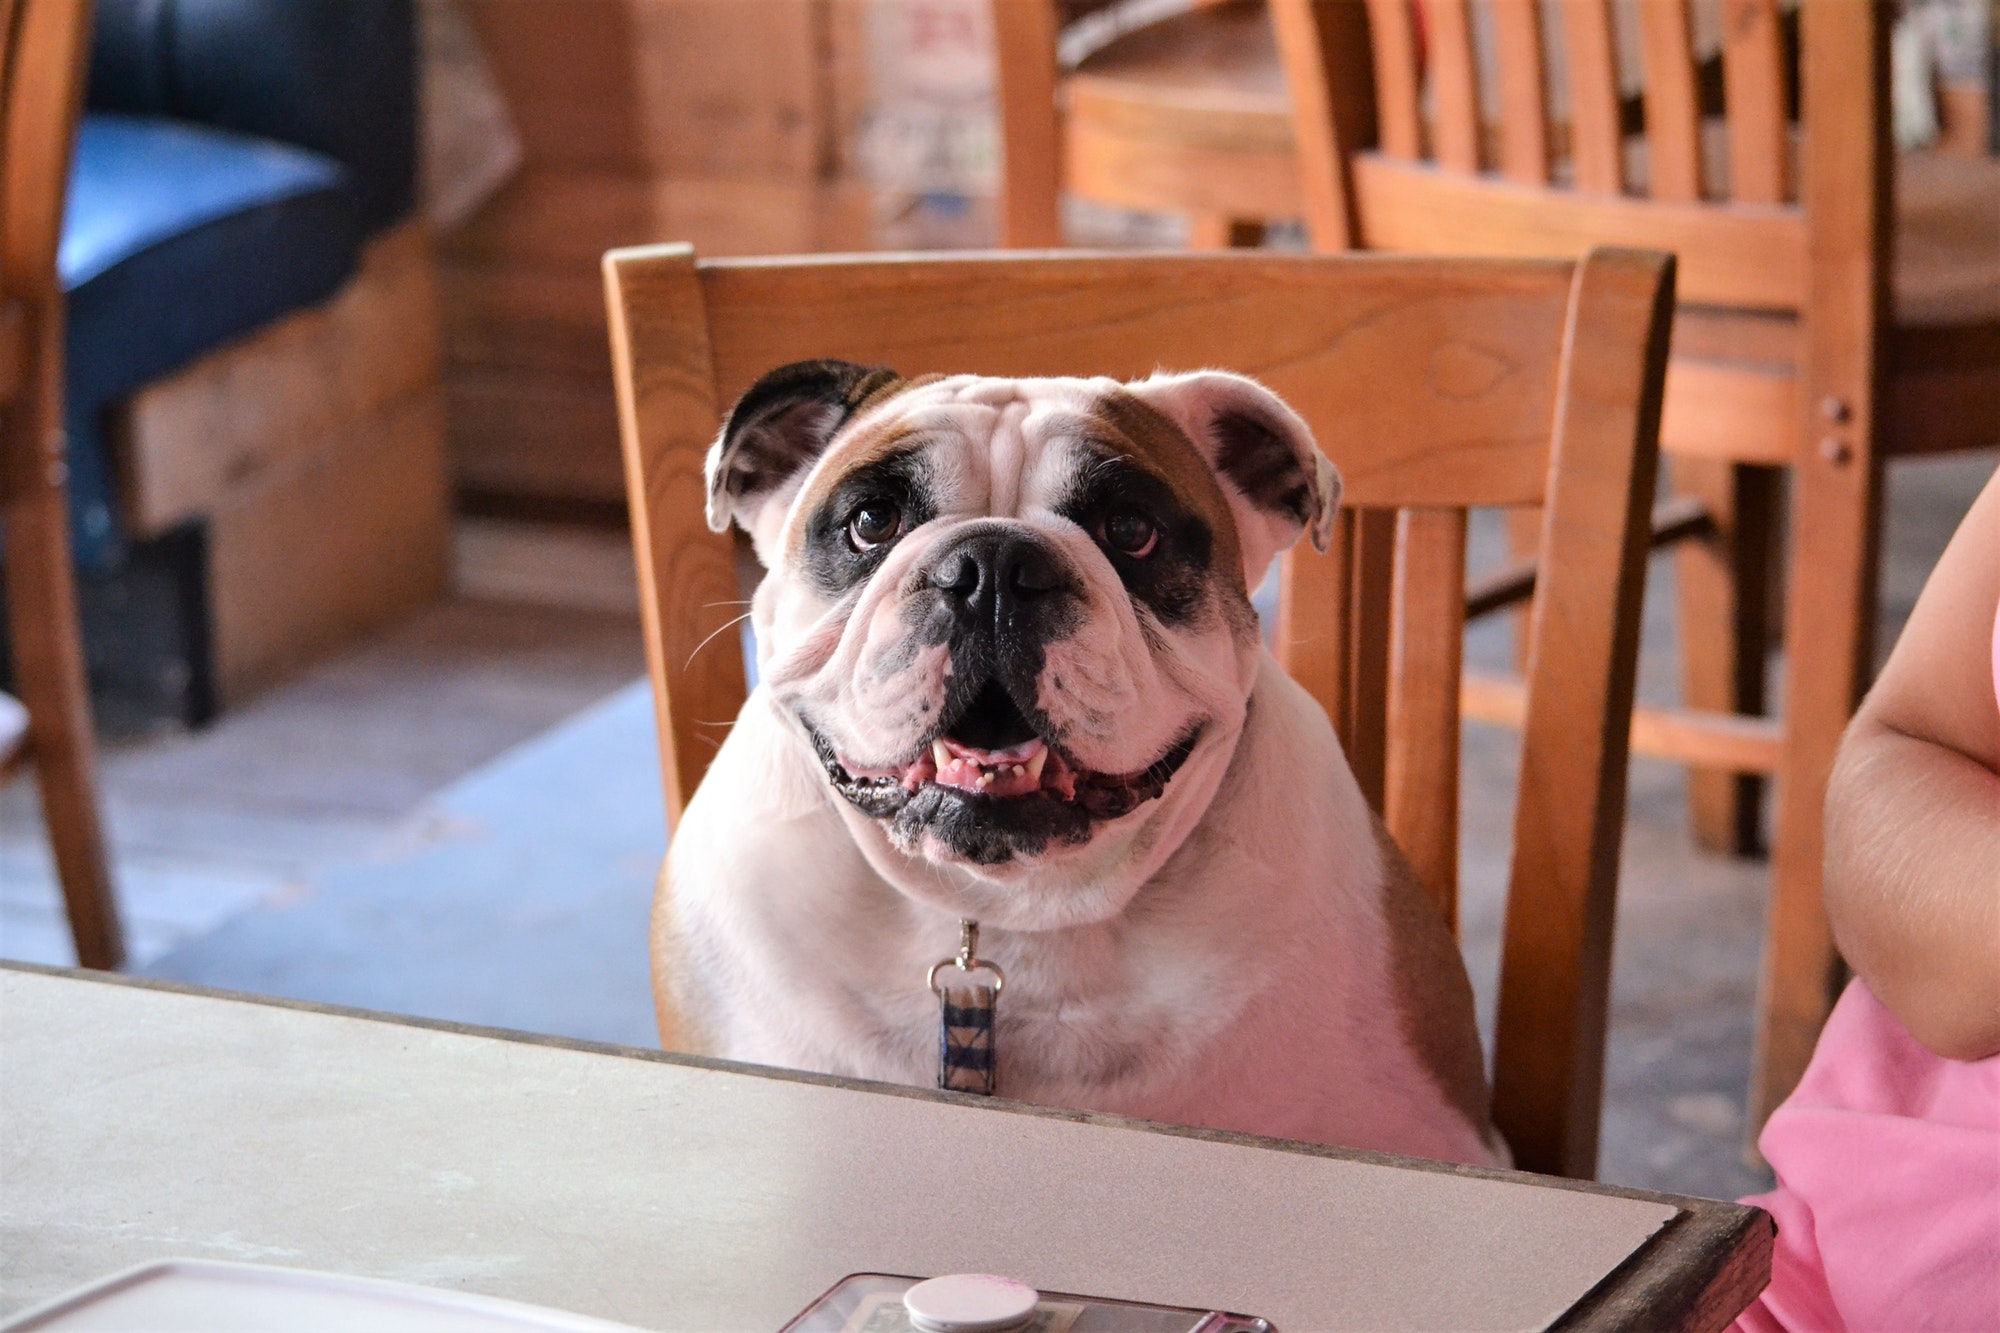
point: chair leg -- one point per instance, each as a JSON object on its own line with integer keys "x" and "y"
{"x": 1217, "y": 231}
{"x": 1829, "y": 629}
{"x": 48, "y": 670}
{"x": 1724, "y": 598}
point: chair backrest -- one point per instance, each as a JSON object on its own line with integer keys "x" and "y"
{"x": 1446, "y": 164}
{"x": 1433, "y": 384}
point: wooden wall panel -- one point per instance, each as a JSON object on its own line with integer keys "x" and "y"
{"x": 722, "y": 123}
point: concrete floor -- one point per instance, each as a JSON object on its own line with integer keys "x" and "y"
{"x": 461, "y": 820}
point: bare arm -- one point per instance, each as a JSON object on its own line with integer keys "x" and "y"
{"x": 1913, "y": 810}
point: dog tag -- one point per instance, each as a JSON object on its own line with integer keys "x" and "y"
{"x": 967, "y": 1061}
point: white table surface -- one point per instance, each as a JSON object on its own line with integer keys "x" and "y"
{"x": 139, "y": 1122}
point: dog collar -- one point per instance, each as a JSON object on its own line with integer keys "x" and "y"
{"x": 966, "y": 1058}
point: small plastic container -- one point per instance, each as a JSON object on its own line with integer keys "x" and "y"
{"x": 978, "y": 1303}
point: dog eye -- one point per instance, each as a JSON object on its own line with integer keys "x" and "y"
{"x": 874, "y": 522}
{"x": 1130, "y": 533}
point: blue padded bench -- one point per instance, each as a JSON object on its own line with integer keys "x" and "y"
{"x": 178, "y": 238}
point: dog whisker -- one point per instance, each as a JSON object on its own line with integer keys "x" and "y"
{"x": 728, "y": 625}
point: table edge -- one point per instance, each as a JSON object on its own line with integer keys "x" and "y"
{"x": 1723, "y": 1245}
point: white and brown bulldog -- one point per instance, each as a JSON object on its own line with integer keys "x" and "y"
{"x": 1010, "y": 672}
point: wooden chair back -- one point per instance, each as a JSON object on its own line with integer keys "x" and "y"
{"x": 1434, "y": 385}
{"x": 1769, "y": 178}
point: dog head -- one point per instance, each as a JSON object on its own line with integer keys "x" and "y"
{"x": 1011, "y": 616}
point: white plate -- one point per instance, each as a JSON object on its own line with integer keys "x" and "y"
{"x": 204, "y": 1296}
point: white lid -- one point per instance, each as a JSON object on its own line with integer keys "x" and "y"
{"x": 970, "y": 1303}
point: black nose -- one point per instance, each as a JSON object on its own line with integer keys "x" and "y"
{"x": 994, "y": 576}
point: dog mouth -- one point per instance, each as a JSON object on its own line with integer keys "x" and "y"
{"x": 991, "y": 756}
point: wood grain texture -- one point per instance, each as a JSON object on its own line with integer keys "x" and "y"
{"x": 1555, "y": 968}
{"x": 669, "y": 408}
{"x": 1696, "y": 1276}
{"x": 1754, "y": 93}
{"x": 44, "y": 46}
{"x": 1454, "y": 84}
{"x": 1597, "y": 150}
{"x": 280, "y": 393}
{"x": 1460, "y": 417}
{"x": 1364, "y": 723}
{"x": 1024, "y": 54}
{"x": 1721, "y": 580}
{"x": 1524, "y": 114}
{"x": 1476, "y": 359}
{"x": 1836, "y": 528}
{"x": 1315, "y": 606}
{"x": 1731, "y": 411}
{"x": 1729, "y": 255}
{"x": 328, "y": 547}
{"x": 1690, "y": 736}
{"x": 1673, "y": 109}
{"x": 1420, "y": 804}
{"x": 1333, "y": 116}
{"x": 1398, "y": 78}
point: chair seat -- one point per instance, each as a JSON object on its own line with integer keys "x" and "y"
{"x": 177, "y": 239}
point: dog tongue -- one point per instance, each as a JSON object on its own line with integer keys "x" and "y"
{"x": 1018, "y": 770}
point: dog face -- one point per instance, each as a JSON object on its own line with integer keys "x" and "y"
{"x": 1011, "y": 617}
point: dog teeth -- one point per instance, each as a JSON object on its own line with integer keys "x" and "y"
{"x": 939, "y": 754}
{"x": 1035, "y": 762}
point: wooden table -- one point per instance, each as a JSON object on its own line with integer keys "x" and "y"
{"x": 140, "y": 1121}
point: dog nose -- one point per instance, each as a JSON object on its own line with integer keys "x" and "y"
{"x": 991, "y": 575}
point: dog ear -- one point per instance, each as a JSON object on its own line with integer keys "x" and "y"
{"x": 780, "y": 425}
{"x": 1278, "y": 483}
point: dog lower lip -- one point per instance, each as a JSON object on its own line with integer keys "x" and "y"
{"x": 1031, "y": 770}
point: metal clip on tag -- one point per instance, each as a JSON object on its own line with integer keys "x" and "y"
{"x": 966, "y": 1059}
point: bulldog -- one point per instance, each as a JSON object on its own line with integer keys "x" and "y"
{"x": 1009, "y": 672}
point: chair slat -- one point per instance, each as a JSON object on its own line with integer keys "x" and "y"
{"x": 1524, "y": 113}
{"x": 1399, "y": 118}
{"x": 687, "y": 575}
{"x": 1454, "y": 85}
{"x": 1024, "y": 41}
{"x": 1314, "y": 596}
{"x": 1332, "y": 117}
{"x": 1365, "y": 731}
{"x": 1673, "y": 109}
{"x": 1420, "y": 804}
{"x": 1591, "y": 63}
{"x": 1556, "y": 952}
{"x": 1754, "y": 101}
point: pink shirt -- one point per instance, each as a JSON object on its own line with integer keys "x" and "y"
{"x": 1888, "y": 1197}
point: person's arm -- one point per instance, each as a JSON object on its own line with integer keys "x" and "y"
{"x": 1913, "y": 810}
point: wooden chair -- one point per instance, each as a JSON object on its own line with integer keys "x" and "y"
{"x": 1433, "y": 384}
{"x": 1838, "y": 310}
{"x": 43, "y": 45}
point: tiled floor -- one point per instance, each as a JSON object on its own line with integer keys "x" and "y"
{"x": 462, "y": 820}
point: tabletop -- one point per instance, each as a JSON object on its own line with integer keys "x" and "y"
{"x": 141, "y": 1121}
